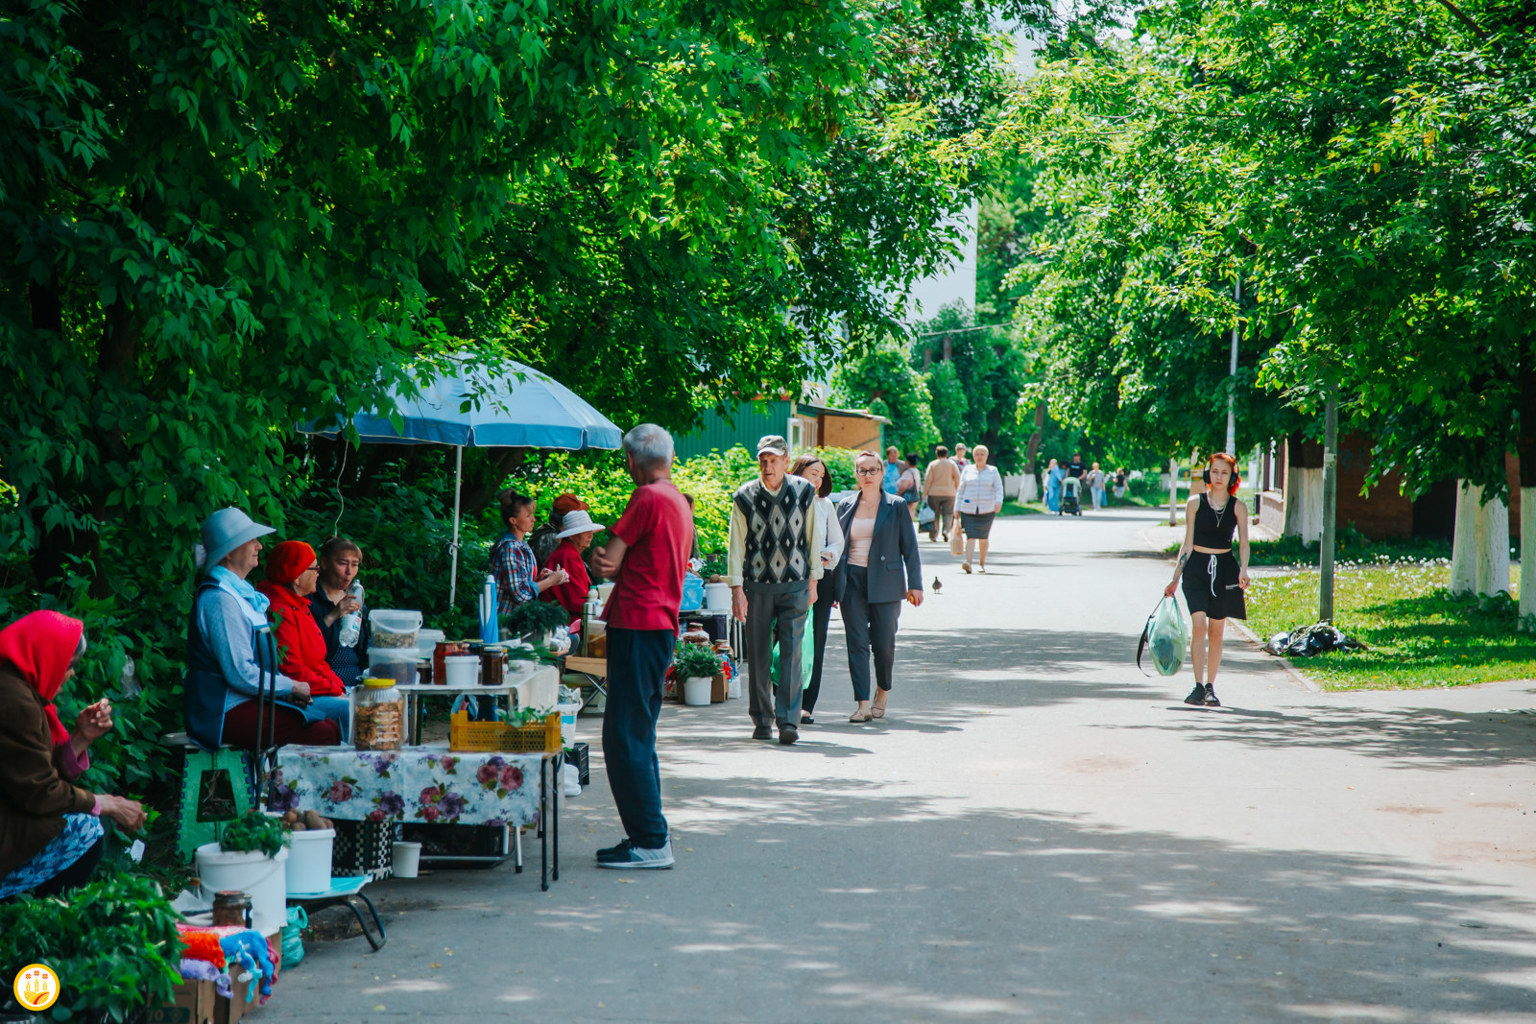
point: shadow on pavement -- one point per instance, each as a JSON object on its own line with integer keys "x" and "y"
{"x": 885, "y": 908}
{"x": 1436, "y": 739}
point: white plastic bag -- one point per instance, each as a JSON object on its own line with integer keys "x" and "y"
{"x": 1166, "y": 635}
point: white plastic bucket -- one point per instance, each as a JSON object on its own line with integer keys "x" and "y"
{"x": 309, "y": 860}
{"x": 262, "y": 878}
{"x": 717, "y": 597}
{"x": 461, "y": 670}
{"x": 568, "y": 713}
{"x": 405, "y": 859}
{"x": 696, "y": 689}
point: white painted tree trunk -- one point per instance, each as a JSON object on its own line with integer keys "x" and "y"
{"x": 1304, "y": 503}
{"x": 1527, "y": 559}
{"x": 1464, "y": 540}
{"x": 1493, "y": 548}
{"x": 1480, "y": 547}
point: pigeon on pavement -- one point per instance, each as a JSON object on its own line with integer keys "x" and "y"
{"x": 937, "y": 586}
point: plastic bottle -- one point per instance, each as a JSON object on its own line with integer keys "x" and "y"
{"x": 352, "y": 622}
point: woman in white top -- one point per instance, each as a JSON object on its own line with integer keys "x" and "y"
{"x": 814, "y": 471}
{"x": 978, "y": 499}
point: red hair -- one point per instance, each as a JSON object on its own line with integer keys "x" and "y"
{"x": 1230, "y": 460}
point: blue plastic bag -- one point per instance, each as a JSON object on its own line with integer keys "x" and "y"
{"x": 693, "y": 593}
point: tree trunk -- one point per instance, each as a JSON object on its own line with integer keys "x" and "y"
{"x": 1464, "y": 539}
{"x": 1493, "y": 548}
{"x": 1525, "y": 447}
{"x": 1330, "y": 506}
{"x": 1173, "y": 492}
{"x": 1033, "y": 450}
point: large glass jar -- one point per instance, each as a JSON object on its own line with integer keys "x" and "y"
{"x": 378, "y": 716}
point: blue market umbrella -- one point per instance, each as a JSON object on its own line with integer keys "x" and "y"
{"x": 474, "y": 406}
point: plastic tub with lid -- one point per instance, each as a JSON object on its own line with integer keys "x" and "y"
{"x": 397, "y": 664}
{"x": 394, "y": 627}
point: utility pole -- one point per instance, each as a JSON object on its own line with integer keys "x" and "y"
{"x": 1237, "y": 294}
{"x": 1330, "y": 504}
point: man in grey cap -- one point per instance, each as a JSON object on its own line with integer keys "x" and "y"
{"x": 774, "y": 565}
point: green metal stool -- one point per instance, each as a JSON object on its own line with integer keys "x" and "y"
{"x": 216, "y": 788}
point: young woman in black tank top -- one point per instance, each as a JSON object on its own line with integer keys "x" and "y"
{"x": 1214, "y": 580}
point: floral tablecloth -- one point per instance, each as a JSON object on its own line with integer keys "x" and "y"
{"x": 425, "y": 783}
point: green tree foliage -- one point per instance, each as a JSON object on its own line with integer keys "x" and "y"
{"x": 882, "y": 380}
{"x": 976, "y": 375}
{"x": 230, "y": 217}
{"x": 1358, "y": 165}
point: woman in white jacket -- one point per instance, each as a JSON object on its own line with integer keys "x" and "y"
{"x": 978, "y": 499}
{"x": 815, "y": 472}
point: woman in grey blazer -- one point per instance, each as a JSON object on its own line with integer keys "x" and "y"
{"x": 880, "y": 567}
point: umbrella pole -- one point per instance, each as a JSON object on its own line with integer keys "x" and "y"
{"x": 453, "y": 549}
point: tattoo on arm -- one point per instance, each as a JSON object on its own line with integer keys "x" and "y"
{"x": 1180, "y": 567}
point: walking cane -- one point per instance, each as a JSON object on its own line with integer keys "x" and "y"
{"x": 266, "y": 662}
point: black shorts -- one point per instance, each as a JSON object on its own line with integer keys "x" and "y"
{"x": 1210, "y": 586}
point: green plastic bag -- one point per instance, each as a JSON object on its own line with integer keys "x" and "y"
{"x": 1165, "y": 637}
{"x": 807, "y": 655}
{"x": 293, "y": 939}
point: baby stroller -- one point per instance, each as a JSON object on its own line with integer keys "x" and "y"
{"x": 1070, "y": 505}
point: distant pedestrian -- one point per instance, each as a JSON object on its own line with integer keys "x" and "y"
{"x": 909, "y": 486}
{"x": 979, "y": 498}
{"x": 960, "y": 460}
{"x": 892, "y": 469}
{"x": 1095, "y": 480}
{"x": 1054, "y": 475}
{"x": 775, "y": 562}
{"x": 814, "y": 471}
{"x": 646, "y": 558}
{"x": 940, "y": 483}
{"x": 1214, "y": 580}
{"x": 882, "y": 567}
{"x": 1120, "y": 483}
{"x": 1077, "y": 468}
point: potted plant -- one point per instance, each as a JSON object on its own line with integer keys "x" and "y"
{"x": 696, "y": 666}
{"x": 112, "y": 942}
{"x": 536, "y": 620}
{"x": 250, "y": 857}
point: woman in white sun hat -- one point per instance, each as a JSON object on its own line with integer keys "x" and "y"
{"x": 575, "y": 538}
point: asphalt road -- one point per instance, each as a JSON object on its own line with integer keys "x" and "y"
{"x": 1036, "y": 832}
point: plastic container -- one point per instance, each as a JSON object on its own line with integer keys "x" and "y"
{"x": 397, "y": 664}
{"x": 538, "y": 689}
{"x": 394, "y": 627}
{"x": 405, "y": 860}
{"x": 717, "y": 597}
{"x": 309, "y": 860}
{"x": 568, "y": 713}
{"x": 696, "y": 689}
{"x": 428, "y": 639}
{"x": 261, "y": 877}
{"x": 461, "y": 670}
{"x": 378, "y": 714}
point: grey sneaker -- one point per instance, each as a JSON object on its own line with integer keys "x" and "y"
{"x": 627, "y": 855}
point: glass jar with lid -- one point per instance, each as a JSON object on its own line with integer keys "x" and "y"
{"x": 378, "y": 716}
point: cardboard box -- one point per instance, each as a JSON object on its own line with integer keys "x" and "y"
{"x": 192, "y": 1002}
{"x": 227, "y": 1011}
{"x": 718, "y": 689}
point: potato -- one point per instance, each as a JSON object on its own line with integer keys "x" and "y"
{"x": 328, "y": 823}
{"x": 298, "y": 826}
{"x": 290, "y": 817}
{"x": 313, "y": 819}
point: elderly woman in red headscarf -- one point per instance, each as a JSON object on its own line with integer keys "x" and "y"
{"x": 292, "y": 573}
{"x": 50, "y": 835}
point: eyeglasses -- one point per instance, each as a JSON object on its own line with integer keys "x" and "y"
{"x": 313, "y": 568}
{"x": 869, "y": 472}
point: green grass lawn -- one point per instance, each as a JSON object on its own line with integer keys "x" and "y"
{"x": 1416, "y": 633}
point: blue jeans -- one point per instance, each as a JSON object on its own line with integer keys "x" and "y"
{"x": 637, "y": 667}
{"x": 338, "y": 710}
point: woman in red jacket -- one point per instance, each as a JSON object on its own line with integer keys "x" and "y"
{"x": 575, "y": 538}
{"x": 292, "y": 572}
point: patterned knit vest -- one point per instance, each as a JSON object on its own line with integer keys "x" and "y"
{"x": 776, "y": 550}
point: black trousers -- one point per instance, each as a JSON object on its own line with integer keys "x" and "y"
{"x": 637, "y": 669}
{"x": 871, "y": 629}
{"x": 821, "y": 618}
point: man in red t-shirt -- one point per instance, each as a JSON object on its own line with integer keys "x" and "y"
{"x": 647, "y": 557}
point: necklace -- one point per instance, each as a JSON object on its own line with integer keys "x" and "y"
{"x": 1218, "y": 511}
